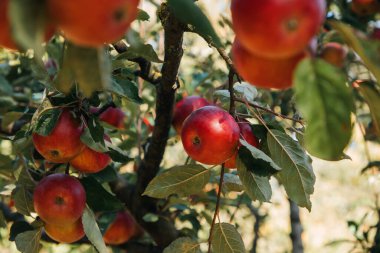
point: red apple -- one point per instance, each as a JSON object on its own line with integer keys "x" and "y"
{"x": 264, "y": 72}
{"x": 121, "y": 229}
{"x": 364, "y": 8}
{"x": 59, "y": 199}
{"x": 210, "y": 135}
{"x": 247, "y": 135}
{"x": 375, "y": 33}
{"x": 63, "y": 143}
{"x": 66, "y": 233}
{"x": 277, "y": 28}
{"x": 113, "y": 116}
{"x": 184, "y": 108}
{"x": 334, "y": 53}
{"x": 91, "y": 161}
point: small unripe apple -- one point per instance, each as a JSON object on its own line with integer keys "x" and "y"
{"x": 91, "y": 161}
{"x": 247, "y": 135}
{"x": 121, "y": 229}
{"x": 334, "y": 53}
{"x": 59, "y": 199}
{"x": 210, "y": 135}
{"x": 63, "y": 143}
{"x": 276, "y": 28}
{"x": 265, "y": 72}
{"x": 89, "y": 24}
{"x": 66, "y": 233}
{"x": 184, "y": 108}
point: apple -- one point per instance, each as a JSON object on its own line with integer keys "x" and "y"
{"x": 91, "y": 161}
{"x": 59, "y": 199}
{"x": 247, "y": 135}
{"x": 121, "y": 229}
{"x": 184, "y": 108}
{"x": 375, "y": 33}
{"x": 66, "y": 233}
{"x": 112, "y": 116}
{"x": 364, "y": 8}
{"x": 276, "y": 28}
{"x": 92, "y": 25}
{"x": 265, "y": 72}
{"x": 334, "y": 53}
{"x": 63, "y": 143}
{"x": 210, "y": 135}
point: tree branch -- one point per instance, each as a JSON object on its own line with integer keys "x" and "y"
{"x": 295, "y": 222}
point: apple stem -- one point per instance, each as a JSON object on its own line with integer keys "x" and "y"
{"x": 67, "y": 170}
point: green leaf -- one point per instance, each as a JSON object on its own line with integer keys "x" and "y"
{"x": 145, "y": 51}
{"x": 151, "y": 217}
{"x": 29, "y": 241}
{"x": 90, "y": 68}
{"x": 226, "y": 239}
{"x": 6, "y": 163}
{"x": 372, "y": 97}
{"x": 28, "y": 24}
{"x": 106, "y": 175}
{"x": 181, "y": 180}
{"x": 246, "y": 91}
{"x": 142, "y": 15}
{"x": 6, "y": 103}
{"x": 297, "y": 174}
{"x": 326, "y": 102}
{"x": 105, "y": 219}
{"x": 96, "y": 129}
{"x": 3, "y": 222}
{"x": 256, "y": 187}
{"x": 5, "y": 87}
{"x": 23, "y": 198}
{"x": 10, "y": 117}
{"x": 189, "y": 13}
{"x": 117, "y": 155}
{"x": 18, "y": 227}
{"x": 232, "y": 182}
{"x": 183, "y": 245}
{"x": 88, "y": 139}
{"x": 126, "y": 89}
{"x": 98, "y": 198}
{"x": 256, "y": 160}
{"x": 46, "y": 121}
{"x": 92, "y": 230}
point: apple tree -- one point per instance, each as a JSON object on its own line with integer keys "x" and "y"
{"x": 90, "y": 92}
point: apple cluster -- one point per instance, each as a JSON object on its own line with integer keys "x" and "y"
{"x": 209, "y": 134}
{"x": 109, "y": 18}
{"x": 272, "y": 37}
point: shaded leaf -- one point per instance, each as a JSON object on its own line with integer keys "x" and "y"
{"x": 145, "y": 51}
{"x": 126, "y": 89}
{"x": 46, "y": 121}
{"x": 88, "y": 139}
{"x": 181, "y": 180}
{"x": 29, "y": 241}
{"x": 372, "y": 97}
{"x": 326, "y": 102}
{"x": 3, "y": 222}
{"x": 232, "y": 182}
{"x": 118, "y": 155}
{"x": 257, "y": 187}
{"x": 23, "y": 200}
{"x": 19, "y": 227}
{"x": 10, "y": 117}
{"x": 297, "y": 174}
{"x": 226, "y": 239}
{"x": 142, "y": 15}
{"x": 92, "y": 230}
{"x": 183, "y": 245}
{"x": 5, "y": 87}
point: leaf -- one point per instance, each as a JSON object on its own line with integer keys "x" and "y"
{"x": 226, "y": 239}
{"x": 19, "y": 227}
{"x": 142, "y": 15}
{"x": 117, "y": 155}
{"x": 256, "y": 160}
{"x": 29, "y": 241}
{"x": 145, "y": 51}
{"x": 183, "y": 245}
{"x": 326, "y": 102}
{"x": 6, "y": 103}
{"x": 232, "y": 182}
{"x": 98, "y": 198}
{"x": 3, "y": 222}
{"x": 189, "y": 13}
{"x": 5, "y": 87}
{"x": 126, "y": 89}
{"x": 296, "y": 175}
{"x": 257, "y": 187}
{"x": 89, "y": 141}
{"x": 106, "y": 175}
{"x": 181, "y": 180}
{"x": 23, "y": 200}
{"x": 5, "y": 163}
{"x": 10, "y": 117}
{"x": 90, "y": 68}
{"x": 372, "y": 97}
{"x": 92, "y": 230}
{"x": 151, "y": 217}
{"x": 246, "y": 91}
{"x": 46, "y": 121}
{"x": 367, "y": 50}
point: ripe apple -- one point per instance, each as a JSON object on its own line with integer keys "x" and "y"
{"x": 247, "y": 135}
{"x": 365, "y": 7}
{"x": 210, "y": 135}
{"x": 66, "y": 233}
{"x": 63, "y": 143}
{"x": 334, "y": 53}
{"x": 89, "y": 24}
{"x": 184, "y": 108}
{"x": 276, "y": 29}
{"x": 91, "y": 161}
{"x": 112, "y": 116}
{"x": 264, "y": 72}
{"x": 6, "y": 39}
{"x": 59, "y": 199}
{"x": 121, "y": 229}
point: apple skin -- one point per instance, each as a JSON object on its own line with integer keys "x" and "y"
{"x": 79, "y": 19}
{"x": 184, "y": 108}
{"x": 247, "y": 135}
{"x": 210, "y": 135}
{"x": 121, "y": 230}
{"x": 114, "y": 117}
{"x": 264, "y": 72}
{"x": 334, "y": 53}
{"x": 63, "y": 143}
{"x": 59, "y": 199}
{"x": 67, "y": 233}
{"x": 91, "y": 161}
{"x": 276, "y": 28}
